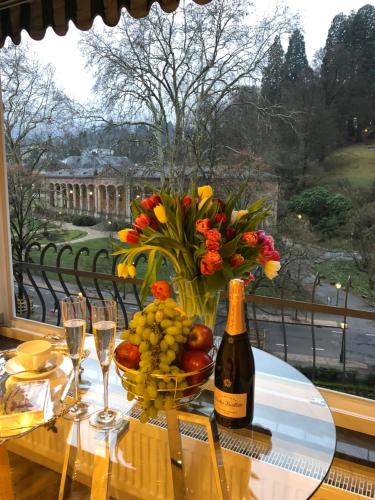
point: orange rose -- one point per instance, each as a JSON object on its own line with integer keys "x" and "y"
{"x": 206, "y": 268}
{"x": 236, "y": 260}
{"x": 250, "y": 238}
{"x": 161, "y": 290}
{"x": 211, "y": 262}
{"x": 213, "y": 235}
{"x": 202, "y": 225}
{"x": 212, "y": 245}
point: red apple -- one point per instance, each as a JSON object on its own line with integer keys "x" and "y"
{"x": 195, "y": 360}
{"x": 200, "y": 338}
{"x": 128, "y": 355}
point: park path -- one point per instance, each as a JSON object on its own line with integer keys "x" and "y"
{"x": 91, "y": 233}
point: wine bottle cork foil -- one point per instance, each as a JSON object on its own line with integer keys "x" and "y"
{"x": 236, "y": 317}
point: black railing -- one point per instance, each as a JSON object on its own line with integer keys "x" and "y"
{"x": 43, "y": 281}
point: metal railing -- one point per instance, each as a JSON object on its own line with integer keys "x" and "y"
{"x": 42, "y": 286}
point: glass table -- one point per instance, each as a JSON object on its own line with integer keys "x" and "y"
{"x": 285, "y": 455}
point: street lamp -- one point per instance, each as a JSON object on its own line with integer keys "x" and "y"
{"x": 343, "y": 327}
{"x": 338, "y": 286}
{"x": 299, "y": 216}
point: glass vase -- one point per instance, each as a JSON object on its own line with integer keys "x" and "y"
{"x": 198, "y": 302}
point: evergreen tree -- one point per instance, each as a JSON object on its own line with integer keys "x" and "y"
{"x": 296, "y": 66}
{"x": 273, "y": 73}
{"x": 348, "y": 71}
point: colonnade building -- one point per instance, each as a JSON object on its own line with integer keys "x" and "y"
{"x": 97, "y": 184}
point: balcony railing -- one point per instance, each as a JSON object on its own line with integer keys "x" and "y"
{"x": 315, "y": 337}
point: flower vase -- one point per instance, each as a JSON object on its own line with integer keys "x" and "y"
{"x": 199, "y": 303}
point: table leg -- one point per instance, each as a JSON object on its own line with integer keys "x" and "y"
{"x": 217, "y": 458}
{"x": 6, "y": 487}
{"x": 105, "y": 444}
{"x": 70, "y": 457}
{"x": 176, "y": 457}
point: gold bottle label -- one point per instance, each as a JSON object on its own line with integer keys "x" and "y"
{"x": 236, "y": 311}
{"x": 230, "y": 405}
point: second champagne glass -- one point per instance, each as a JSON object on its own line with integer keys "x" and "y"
{"x": 104, "y": 320}
{"x": 73, "y": 312}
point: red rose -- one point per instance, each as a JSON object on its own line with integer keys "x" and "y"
{"x": 202, "y": 225}
{"x": 267, "y": 254}
{"x": 186, "y": 202}
{"x": 261, "y": 236}
{"x": 269, "y": 241}
{"x": 250, "y": 238}
{"x": 161, "y": 290}
{"x": 212, "y": 245}
{"x": 142, "y": 221}
{"x": 230, "y": 233}
{"x": 213, "y": 235}
{"x": 220, "y": 218}
{"x": 236, "y": 260}
{"x": 151, "y": 202}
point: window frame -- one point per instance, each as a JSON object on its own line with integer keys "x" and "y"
{"x": 341, "y": 404}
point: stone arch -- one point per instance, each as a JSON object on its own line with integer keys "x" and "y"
{"x": 70, "y": 193}
{"x": 51, "y": 194}
{"x": 91, "y": 198}
{"x": 76, "y": 197}
{"x": 84, "y": 197}
{"x": 102, "y": 199}
{"x": 111, "y": 199}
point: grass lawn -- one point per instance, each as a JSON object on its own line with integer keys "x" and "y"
{"x": 339, "y": 270}
{"x": 62, "y": 235}
{"x": 355, "y": 163}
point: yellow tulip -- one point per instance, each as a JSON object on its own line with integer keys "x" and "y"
{"x": 240, "y": 214}
{"x": 271, "y": 268}
{"x": 159, "y": 211}
{"x": 122, "y": 270}
{"x": 205, "y": 192}
{"x": 132, "y": 271}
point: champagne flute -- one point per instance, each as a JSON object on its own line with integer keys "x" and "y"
{"x": 73, "y": 312}
{"x": 104, "y": 320}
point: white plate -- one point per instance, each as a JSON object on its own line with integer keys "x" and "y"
{"x": 13, "y": 367}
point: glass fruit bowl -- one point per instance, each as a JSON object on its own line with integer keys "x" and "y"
{"x": 168, "y": 390}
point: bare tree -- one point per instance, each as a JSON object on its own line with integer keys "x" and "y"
{"x": 163, "y": 71}
{"x": 34, "y": 108}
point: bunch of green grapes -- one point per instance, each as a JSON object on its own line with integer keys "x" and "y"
{"x": 159, "y": 331}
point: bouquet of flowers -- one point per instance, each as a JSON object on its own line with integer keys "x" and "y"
{"x": 206, "y": 241}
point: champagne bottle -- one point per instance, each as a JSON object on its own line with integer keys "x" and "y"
{"x": 235, "y": 369}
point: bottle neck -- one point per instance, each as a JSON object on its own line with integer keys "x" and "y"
{"x": 236, "y": 313}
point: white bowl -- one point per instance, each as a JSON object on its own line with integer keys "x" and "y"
{"x": 34, "y": 354}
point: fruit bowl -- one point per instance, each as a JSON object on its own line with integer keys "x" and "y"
{"x": 173, "y": 390}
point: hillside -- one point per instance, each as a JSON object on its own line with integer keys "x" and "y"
{"x": 355, "y": 164}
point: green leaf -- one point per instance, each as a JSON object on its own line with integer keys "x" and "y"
{"x": 230, "y": 247}
{"x": 150, "y": 275}
{"x": 164, "y": 242}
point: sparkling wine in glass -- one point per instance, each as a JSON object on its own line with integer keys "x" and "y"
{"x": 73, "y": 313}
{"x": 104, "y": 319}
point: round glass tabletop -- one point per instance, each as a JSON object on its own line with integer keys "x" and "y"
{"x": 285, "y": 455}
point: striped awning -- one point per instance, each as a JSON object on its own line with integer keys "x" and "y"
{"x": 35, "y": 16}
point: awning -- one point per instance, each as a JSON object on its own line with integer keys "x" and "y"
{"x": 35, "y": 16}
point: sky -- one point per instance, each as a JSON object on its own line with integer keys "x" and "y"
{"x": 76, "y": 80}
